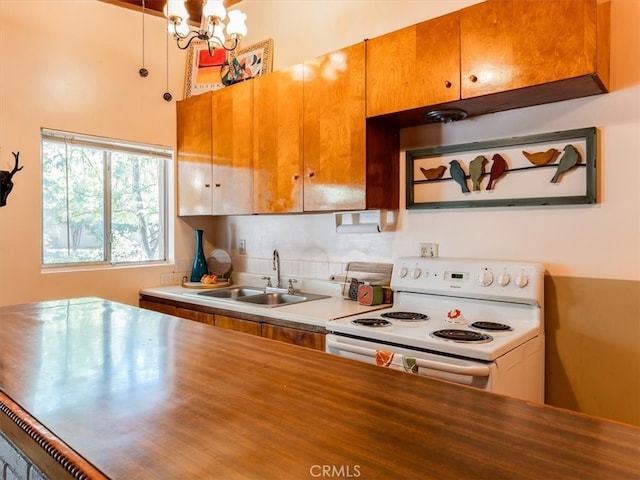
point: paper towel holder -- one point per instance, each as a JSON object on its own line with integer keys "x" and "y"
{"x": 365, "y": 221}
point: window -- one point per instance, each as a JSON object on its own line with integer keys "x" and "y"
{"x": 103, "y": 200}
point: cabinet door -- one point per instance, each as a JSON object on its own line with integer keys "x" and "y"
{"x": 193, "y": 122}
{"x": 232, "y": 109}
{"x": 294, "y": 336}
{"x": 238, "y": 324}
{"x": 507, "y": 45}
{"x": 334, "y": 131}
{"x": 194, "y": 315}
{"x": 277, "y": 141}
{"x": 415, "y": 66}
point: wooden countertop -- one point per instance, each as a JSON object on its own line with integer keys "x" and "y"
{"x": 143, "y": 395}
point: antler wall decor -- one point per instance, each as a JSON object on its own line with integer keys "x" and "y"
{"x": 6, "y": 184}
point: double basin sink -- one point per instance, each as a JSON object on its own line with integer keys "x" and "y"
{"x": 258, "y": 296}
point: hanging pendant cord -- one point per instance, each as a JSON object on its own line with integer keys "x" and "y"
{"x": 143, "y": 72}
{"x": 167, "y": 95}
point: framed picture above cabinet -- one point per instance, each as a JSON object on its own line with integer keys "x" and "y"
{"x": 557, "y": 168}
{"x": 206, "y": 72}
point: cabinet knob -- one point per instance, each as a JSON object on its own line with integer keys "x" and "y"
{"x": 473, "y": 78}
{"x": 218, "y": 185}
{"x": 447, "y": 84}
{"x": 311, "y": 174}
{"x": 296, "y": 177}
{"x": 207, "y": 185}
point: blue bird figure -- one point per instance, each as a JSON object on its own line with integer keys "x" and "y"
{"x": 458, "y": 175}
{"x": 568, "y": 160}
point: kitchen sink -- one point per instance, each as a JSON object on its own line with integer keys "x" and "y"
{"x": 274, "y": 299}
{"x": 256, "y": 296}
{"x": 233, "y": 293}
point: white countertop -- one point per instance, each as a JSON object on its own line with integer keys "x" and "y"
{"x": 315, "y": 312}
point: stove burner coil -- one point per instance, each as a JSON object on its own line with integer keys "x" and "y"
{"x": 493, "y": 326}
{"x": 405, "y": 316}
{"x": 371, "y": 322}
{"x": 462, "y": 336}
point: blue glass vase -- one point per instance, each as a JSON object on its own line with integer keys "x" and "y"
{"x": 199, "y": 260}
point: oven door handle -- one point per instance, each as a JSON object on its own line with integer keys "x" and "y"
{"x": 470, "y": 370}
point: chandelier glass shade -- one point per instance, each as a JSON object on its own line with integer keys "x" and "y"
{"x": 212, "y": 27}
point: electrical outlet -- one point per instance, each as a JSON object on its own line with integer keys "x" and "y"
{"x": 243, "y": 247}
{"x": 429, "y": 250}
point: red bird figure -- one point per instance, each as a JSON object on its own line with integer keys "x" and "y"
{"x": 498, "y": 168}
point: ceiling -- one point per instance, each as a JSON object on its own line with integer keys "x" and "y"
{"x": 155, "y": 7}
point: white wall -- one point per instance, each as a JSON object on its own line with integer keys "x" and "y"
{"x": 599, "y": 241}
{"x": 73, "y": 65}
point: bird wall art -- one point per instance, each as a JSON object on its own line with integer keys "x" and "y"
{"x": 542, "y": 158}
{"x": 528, "y": 170}
{"x": 457, "y": 173}
{"x": 498, "y": 168}
{"x": 476, "y": 171}
{"x": 569, "y": 159}
{"x": 433, "y": 173}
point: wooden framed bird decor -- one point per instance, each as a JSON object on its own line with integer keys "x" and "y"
{"x": 556, "y": 168}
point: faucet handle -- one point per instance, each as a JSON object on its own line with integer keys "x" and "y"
{"x": 291, "y": 282}
{"x": 268, "y": 279}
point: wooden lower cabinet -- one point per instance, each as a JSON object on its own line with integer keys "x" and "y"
{"x": 238, "y": 324}
{"x": 293, "y": 335}
{"x": 259, "y": 326}
{"x": 186, "y": 313}
{"x": 201, "y": 317}
{"x": 159, "y": 307}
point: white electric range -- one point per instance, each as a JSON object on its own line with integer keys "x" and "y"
{"x": 474, "y": 322}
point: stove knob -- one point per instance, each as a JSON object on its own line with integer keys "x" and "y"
{"x": 416, "y": 272}
{"x": 504, "y": 279}
{"x": 485, "y": 278}
{"x": 522, "y": 281}
{"x": 403, "y": 272}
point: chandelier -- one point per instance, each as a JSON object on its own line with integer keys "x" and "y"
{"x": 212, "y": 28}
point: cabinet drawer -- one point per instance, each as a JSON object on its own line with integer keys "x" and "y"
{"x": 158, "y": 307}
{"x": 201, "y": 317}
{"x": 238, "y": 324}
{"x": 294, "y": 336}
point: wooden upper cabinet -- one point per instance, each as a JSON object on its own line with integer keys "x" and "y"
{"x": 334, "y": 131}
{"x": 492, "y": 56}
{"x": 194, "y": 155}
{"x": 232, "y": 131}
{"x": 416, "y": 66}
{"x": 508, "y": 45}
{"x": 277, "y": 142}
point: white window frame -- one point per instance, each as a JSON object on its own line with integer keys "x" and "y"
{"x": 108, "y": 145}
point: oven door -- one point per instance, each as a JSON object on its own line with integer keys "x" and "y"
{"x": 454, "y": 369}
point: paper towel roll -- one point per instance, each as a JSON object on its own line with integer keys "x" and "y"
{"x": 359, "y": 228}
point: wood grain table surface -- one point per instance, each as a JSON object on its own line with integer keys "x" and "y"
{"x": 142, "y": 395}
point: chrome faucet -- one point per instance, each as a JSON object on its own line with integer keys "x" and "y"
{"x": 276, "y": 268}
